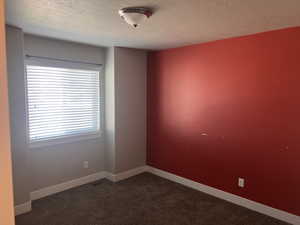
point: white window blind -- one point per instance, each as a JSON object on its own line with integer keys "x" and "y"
{"x": 62, "y": 102}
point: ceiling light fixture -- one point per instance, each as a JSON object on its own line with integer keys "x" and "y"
{"x": 135, "y": 15}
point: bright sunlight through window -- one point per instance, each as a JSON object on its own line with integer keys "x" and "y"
{"x": 62, "y": 102}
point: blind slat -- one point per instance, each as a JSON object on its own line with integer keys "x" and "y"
{"x": 62, "y": 102}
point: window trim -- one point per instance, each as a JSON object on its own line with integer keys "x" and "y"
{"x": 47, "y": 62}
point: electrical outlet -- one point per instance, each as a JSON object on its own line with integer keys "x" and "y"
{"x": 85, "y": 164}
{"x": 241, "y": 182}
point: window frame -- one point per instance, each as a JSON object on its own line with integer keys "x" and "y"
{"x": 58, "y": 63}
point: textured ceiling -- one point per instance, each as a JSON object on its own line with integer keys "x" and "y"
{"x": 174, "y": 23}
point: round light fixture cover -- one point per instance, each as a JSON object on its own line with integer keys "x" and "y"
{"x": 134, "y": 16}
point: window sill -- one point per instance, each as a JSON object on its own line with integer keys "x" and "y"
{"x": 65, "y": 140}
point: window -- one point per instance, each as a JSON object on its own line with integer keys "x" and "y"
{"x": 62, "y": 102}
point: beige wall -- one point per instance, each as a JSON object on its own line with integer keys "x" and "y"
{"x": 6, "y": 196}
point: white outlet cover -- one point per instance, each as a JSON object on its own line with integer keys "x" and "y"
{"x": 241, "y": 182}
{"x": 85, "y": 164}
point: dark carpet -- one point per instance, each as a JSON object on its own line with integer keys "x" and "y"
{"x": 141, "y": 200}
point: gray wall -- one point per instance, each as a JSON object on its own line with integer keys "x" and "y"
{"x": 40, "y": 46}
{"x": 123, "y": 146}
{"x": 130, "y": 117}
{"x": 15, "y": 68}
{"x": 126, "y": 71}
{"x": 110, "y": 109}
{"x": 60, "y": 163}
{"x": 41, "y": 167}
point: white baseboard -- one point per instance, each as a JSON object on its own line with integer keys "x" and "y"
{"x": 124, "y": 175}
{"x": 66, "y": 185}
{"x": 23, "y": 208}
{"x": 41, "y": 193}
{"x": 261, "y": 208}
{"x": 255, "y": 206}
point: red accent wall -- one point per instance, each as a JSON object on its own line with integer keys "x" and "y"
{"x": 244, "y": 94}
